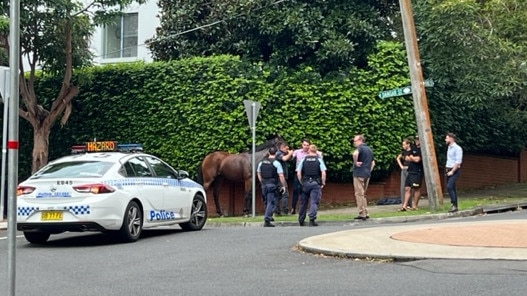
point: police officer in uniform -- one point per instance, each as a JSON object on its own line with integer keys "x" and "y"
{"x": 311, "y": 172}
{"x": 283, "y": 155}
{"x": 270, "y": 173}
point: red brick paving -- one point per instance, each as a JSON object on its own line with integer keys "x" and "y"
{"x": 513, "y": 235}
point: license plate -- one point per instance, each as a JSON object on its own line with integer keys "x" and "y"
{"x": 51, "y": 216}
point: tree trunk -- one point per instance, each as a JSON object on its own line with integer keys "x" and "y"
{"x": 40, "y": 148}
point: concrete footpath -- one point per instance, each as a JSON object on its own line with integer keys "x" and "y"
{"x": 498, "y": 240}
{"x": 495, "y": 240}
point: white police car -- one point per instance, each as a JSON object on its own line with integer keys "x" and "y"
{"x": 109, "y": 188}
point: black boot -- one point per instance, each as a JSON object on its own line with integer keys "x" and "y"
{"x": 313, "y": 223}
{"x": 268, "y": 224}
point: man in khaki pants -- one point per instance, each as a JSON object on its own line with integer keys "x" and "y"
{"x": 363, "y": 164}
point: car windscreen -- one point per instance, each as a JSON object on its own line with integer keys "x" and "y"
{"x": 73, "y": 169}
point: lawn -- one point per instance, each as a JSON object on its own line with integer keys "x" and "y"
{"x": 514, "y": 194}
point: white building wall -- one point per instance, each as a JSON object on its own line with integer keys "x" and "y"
{"x": 147, "y": 24}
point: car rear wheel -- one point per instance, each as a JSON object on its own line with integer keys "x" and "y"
{"x": 198, "y": 214}
{"x": 37, "y": 237}
{"x": 132, "y": 223}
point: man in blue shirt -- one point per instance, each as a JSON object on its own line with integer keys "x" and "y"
{"x": 454, "y": 158}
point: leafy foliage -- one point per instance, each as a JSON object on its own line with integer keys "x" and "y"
{"x": 54, "y": 38}
{"x": 475, "y": 52}
{"x": 327, "y": 35}
{"x": 181, "y": 110}
{"x": 184, "y": 109}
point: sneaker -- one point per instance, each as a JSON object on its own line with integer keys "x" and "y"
{"x": 453, "y": 209}
{"x": 293, "y": 212}
{"x": 361, "y": 218}
{"x": 313, "y": 223}
{"x": 268, "y": 224}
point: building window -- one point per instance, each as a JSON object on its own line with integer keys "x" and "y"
{"x": 120, "y": 38}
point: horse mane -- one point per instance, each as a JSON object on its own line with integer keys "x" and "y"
{"x": 263, "y": 146}
{"x": 262, "y": 149}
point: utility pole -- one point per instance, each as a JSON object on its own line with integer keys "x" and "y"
{"x": 433, "y": 183}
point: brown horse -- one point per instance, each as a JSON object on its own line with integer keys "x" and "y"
{"x": 220, "y": 165}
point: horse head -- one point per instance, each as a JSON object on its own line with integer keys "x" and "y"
{"x": 272, "y": 140}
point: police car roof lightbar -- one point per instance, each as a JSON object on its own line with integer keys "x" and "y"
{"x": 105, "y": 146}
{"x": 129, "y": 147}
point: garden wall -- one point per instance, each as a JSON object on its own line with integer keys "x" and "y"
{"x": 478, "y": 171}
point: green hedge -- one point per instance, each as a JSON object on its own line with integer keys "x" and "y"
{"x": 183, "y": 109}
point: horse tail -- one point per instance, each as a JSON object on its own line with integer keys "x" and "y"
{"x": 200, "y": 174}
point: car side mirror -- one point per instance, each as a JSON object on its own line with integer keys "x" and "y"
{"x": 182, "y": 174}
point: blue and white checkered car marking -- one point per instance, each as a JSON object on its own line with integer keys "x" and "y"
{"x": 26, "y": 211}
{"x": 78, "y": 210}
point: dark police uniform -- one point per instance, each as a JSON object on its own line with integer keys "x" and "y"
{"x": 311, "y": 168}
{"x": 415, "y": 170}
{"x": 284, "y": 196}
{"x": 269, "y": 170}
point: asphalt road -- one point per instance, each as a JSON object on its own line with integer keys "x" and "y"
{"x": 240, "y": 261}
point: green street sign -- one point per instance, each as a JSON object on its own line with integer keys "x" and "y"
{"x": 397, "y": 92}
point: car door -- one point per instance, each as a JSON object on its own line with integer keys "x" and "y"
{"x": 151, "y": 191}
{"x": 177, "y": 199}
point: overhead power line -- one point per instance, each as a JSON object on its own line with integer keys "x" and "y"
{"x": 195, "y": 28}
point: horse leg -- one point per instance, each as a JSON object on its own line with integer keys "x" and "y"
{"x": 247, "y": 207}
{"x": 216, "y": 185}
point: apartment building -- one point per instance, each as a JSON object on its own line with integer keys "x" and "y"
{"x": 125, "y": 40}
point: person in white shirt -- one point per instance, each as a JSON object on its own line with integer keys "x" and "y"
{"x": 454, "y": 158}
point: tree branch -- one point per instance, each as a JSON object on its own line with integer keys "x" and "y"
{"x": 59, "y": 105}
{"x": 85, "y": 9}
{"x": 69, "y": 61}
{"x": 67, "y": 92}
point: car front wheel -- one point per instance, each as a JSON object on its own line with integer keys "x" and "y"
{"x": 36, "y": 237}
{"x": 198, "y": 214}
{"x": 132, "y": 223}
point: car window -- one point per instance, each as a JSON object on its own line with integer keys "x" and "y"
{"x": 74, "y": 169}
{"x": 137, "y": 167}
{"x": 161, "y": 169}
{"x": 127, "y": 170}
